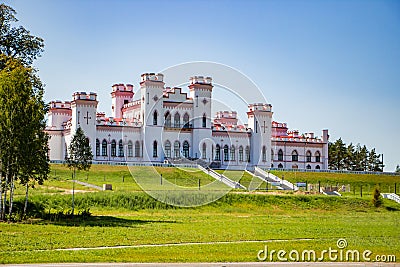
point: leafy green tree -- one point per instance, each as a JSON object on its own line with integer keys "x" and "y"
{"x": 22, "y": 122}
{"x": 398, "y": 169}
{"x": 23, "y": 144}
{"x": 17, "y": 42}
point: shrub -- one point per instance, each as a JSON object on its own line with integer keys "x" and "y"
{"x": 377, "y": 199}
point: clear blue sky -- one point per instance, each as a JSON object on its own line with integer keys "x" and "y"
{"x": 321, "y": 64}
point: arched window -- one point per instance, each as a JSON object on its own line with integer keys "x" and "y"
{"x": 308, "y": 157}
{"x": 120, "y": 149}
{"x": 113, "y": 148}
{"x": 308, "y": 167}
{"x": 177, "y": 120}
{"x": 217, "y": 153}
{"x": 167, "y": 119}
{"x": 137, "y": 149}
{"x": 280, "y": 166}
{"x": 177, "y": 147}
{"x": 280, "y": 155}
{"x": 204, "y": 151}
{"x": 317, "y": 167}
{"x": 155, "y": 152}
{"x": 97, "y": 147}
{"x": 295, "y": 166}
{"x": 186, "y": 120}
{"x": 186, "y": 149}
{"x": 233, "y": 156}
{"x": 130, "y": 149}
{"x": 247, "y": 153}
{"x": 317, "y": 157}
{"x": 167, "y": 149}
{"x": 295, "y": 156}
{"x": 104, "y": 148}
{"x": 226, "y": 153}
{"x": 240, "y": 153}
{"x": 155, "y": 117}
{"x": 204, "y": 123}
{"x": 264, "y": 153}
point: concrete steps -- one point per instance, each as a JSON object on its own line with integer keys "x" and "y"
{"x": 222, "y": 178}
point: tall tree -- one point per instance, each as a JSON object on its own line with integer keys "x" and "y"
{"x": 22, "y": 122}
{"x": 17, "y": 42}
{"x": 22, "y": 110}
{"x": 337, "y": 155}
{"x": 349, "y": 158}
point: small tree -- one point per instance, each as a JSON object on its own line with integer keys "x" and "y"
{"x": 377, "y": 199}
{"x": 79, "y": 155}
{"x": 79, "y": 152}
{"x": 397, "y": 168}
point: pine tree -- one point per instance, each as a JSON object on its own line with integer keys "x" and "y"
{"x": 79, "y": 152}
{"x": 79, "y": 155}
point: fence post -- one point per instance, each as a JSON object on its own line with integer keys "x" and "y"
{"x": 319, "y": 186}
{"x": 161, "y": 179}
{"x": 361, "y": 190}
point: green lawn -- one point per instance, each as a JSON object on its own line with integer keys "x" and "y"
{"x": 129, "y": 217}
{"x": 236, "y": 217}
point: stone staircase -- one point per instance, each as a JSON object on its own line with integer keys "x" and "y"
{"x": 270, "y": 178}
{"x": 222, "y": 178}
{"x": 391, "y": 196}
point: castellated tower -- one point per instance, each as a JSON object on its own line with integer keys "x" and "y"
{"x": 200, "y": 90}
{"x": 260, "y": 121}
{"x": 59, "y": 114}
{"x": 121, "y": 94}
{"x": 84, "y": 108}
{"x": 151, "y": 90}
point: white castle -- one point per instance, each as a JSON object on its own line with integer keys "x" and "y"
{"x": 168, "y": 125}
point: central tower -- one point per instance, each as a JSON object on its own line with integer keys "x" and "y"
{"x": 200, "y": 90}
{"x": 151, "y": 90}
{"x": 259, "y": 121}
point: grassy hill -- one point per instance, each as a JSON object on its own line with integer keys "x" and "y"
{"x": 126, "y": 223}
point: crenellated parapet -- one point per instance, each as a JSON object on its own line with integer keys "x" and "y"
{"x": 84, "y": 96}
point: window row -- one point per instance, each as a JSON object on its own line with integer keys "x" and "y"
{"x": 105, "y": 146}
{"x": 295, "y": 155}
{"x": 229, "y": 153}
{"x": 176, "y": 149}
{"x": 176, "y": 123}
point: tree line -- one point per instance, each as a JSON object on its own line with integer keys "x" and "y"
{"x": 353, "y": 157}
